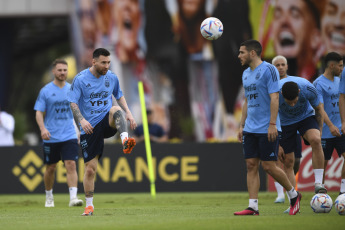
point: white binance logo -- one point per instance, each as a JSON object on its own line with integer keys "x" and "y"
{"x": 30, "y": 170}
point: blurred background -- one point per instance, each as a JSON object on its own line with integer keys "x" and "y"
{"x": 193, "y": 86}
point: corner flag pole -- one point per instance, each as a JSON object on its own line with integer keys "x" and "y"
{"x": 147, "y": 139}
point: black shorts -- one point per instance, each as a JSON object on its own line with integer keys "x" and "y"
{"x": 256, "y": 145}
{"x": 329, "y": 144}
{"x": 93, "y": 144}
{"x": 298, "y": 149}
{"x": 66, "y": 150}
{"x": 289, "y": 132}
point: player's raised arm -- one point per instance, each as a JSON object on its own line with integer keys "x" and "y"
{"x": 85, "y": 125}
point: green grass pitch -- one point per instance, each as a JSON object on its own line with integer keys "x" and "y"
{"x": 203, "y": 210}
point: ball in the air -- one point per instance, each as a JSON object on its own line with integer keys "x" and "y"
{"x": 211, "y": 28}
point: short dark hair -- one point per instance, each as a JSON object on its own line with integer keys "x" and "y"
{"x": 332, "y": 56}
{"x": 290, "y": 90}
{"x": 59, "y": 61}
{"x": 253, "y": 45}
{"x": 100, "y": 51}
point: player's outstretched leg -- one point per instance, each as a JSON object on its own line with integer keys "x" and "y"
{"x": 128, "y": 143}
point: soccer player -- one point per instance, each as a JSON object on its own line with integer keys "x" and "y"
{"x": 258, "y": 126}
{"x": 90, "y": 98}
{"x": 291, "y": 162}
{"x": 328, "y": 86}
{"x": 297, "y": 99}
{"x": 55, "y": 120}
{"x": 342, "y": 115}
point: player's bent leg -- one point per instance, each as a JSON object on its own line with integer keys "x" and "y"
{"x": 314, "y": 138}
{"x": 117, "y": 120}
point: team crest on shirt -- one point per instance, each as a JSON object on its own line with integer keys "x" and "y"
{"x": 107, "y": 83}
{"x": 257, "y": 76}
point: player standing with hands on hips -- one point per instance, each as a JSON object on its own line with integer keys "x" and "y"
{"x": 55, "y": 120}
{"x": 258, "y": 127}
{"x": 90, "y": 98}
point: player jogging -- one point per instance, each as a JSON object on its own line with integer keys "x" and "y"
{"x": 55, "y": 120}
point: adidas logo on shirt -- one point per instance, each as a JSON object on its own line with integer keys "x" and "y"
{"x": 272, "y": 154}
{"x": 88, "y": 85}
{"x": 53, "y": 95}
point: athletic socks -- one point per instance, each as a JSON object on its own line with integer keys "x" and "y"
{"x": 123, "y": 136}
{"x": 342, "y": 186}
{"x": 253, "y": 203}
{"x": 318, "y": 173}
{"x": 280, "y": 190}
{"x": 49, "y": 192}
{"x": 89, "y": 201}
{"x": 73, "y": 192}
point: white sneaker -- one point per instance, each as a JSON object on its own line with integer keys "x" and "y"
{"x": 75, "y": 202}
{"x": 49, "y": 202}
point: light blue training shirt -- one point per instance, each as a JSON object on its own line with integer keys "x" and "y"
{"x": 307, "y": 99}
{"x": 58, "y": 118}
{"x": 93, "y": 95}
{"x": 329, "y": 91}
{"x": 258, "y": 85}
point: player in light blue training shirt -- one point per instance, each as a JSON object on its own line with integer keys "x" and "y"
{"x": 328, "y": 86}
{"x": 90, "y": 97}
{"x": 55, "y": 120}
{"x": 258, "y": 127}
{"x": 342, "y": 100}
{"x": 297, "y": 100}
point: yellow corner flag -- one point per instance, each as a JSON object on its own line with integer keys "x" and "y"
{"x": 147, "y": 139}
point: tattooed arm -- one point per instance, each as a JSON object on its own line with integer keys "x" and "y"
{"x": 78, "y": 117}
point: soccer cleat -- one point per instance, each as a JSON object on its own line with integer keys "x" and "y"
{"x": 247, "y": 212}
{"x": 49, "y": 202}
{"x": 279, "y": 200}
{"x": 319, "y": 188}
{"x": 128, "y": 145}
{"x": 295, "y": 206}
{"x": 287, "y": 210}
{"x": 88, "y": 211}
{"x": 75, "y": 202}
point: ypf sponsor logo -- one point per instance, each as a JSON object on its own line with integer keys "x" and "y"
{"x": 30, "y": 170}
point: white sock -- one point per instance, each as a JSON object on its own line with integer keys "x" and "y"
{"x": 73, "y": 192}
{"x": 123, "y": 136}
{"x": 253, "y": 203}
{"x": 318, "y": 173}
{"x": 292, "y": 193}
{"x": 89, "y": 201}
{"x": 342, "y": 185}
{"x": 49, "y": 192}
{"x": 280, "y": 190}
